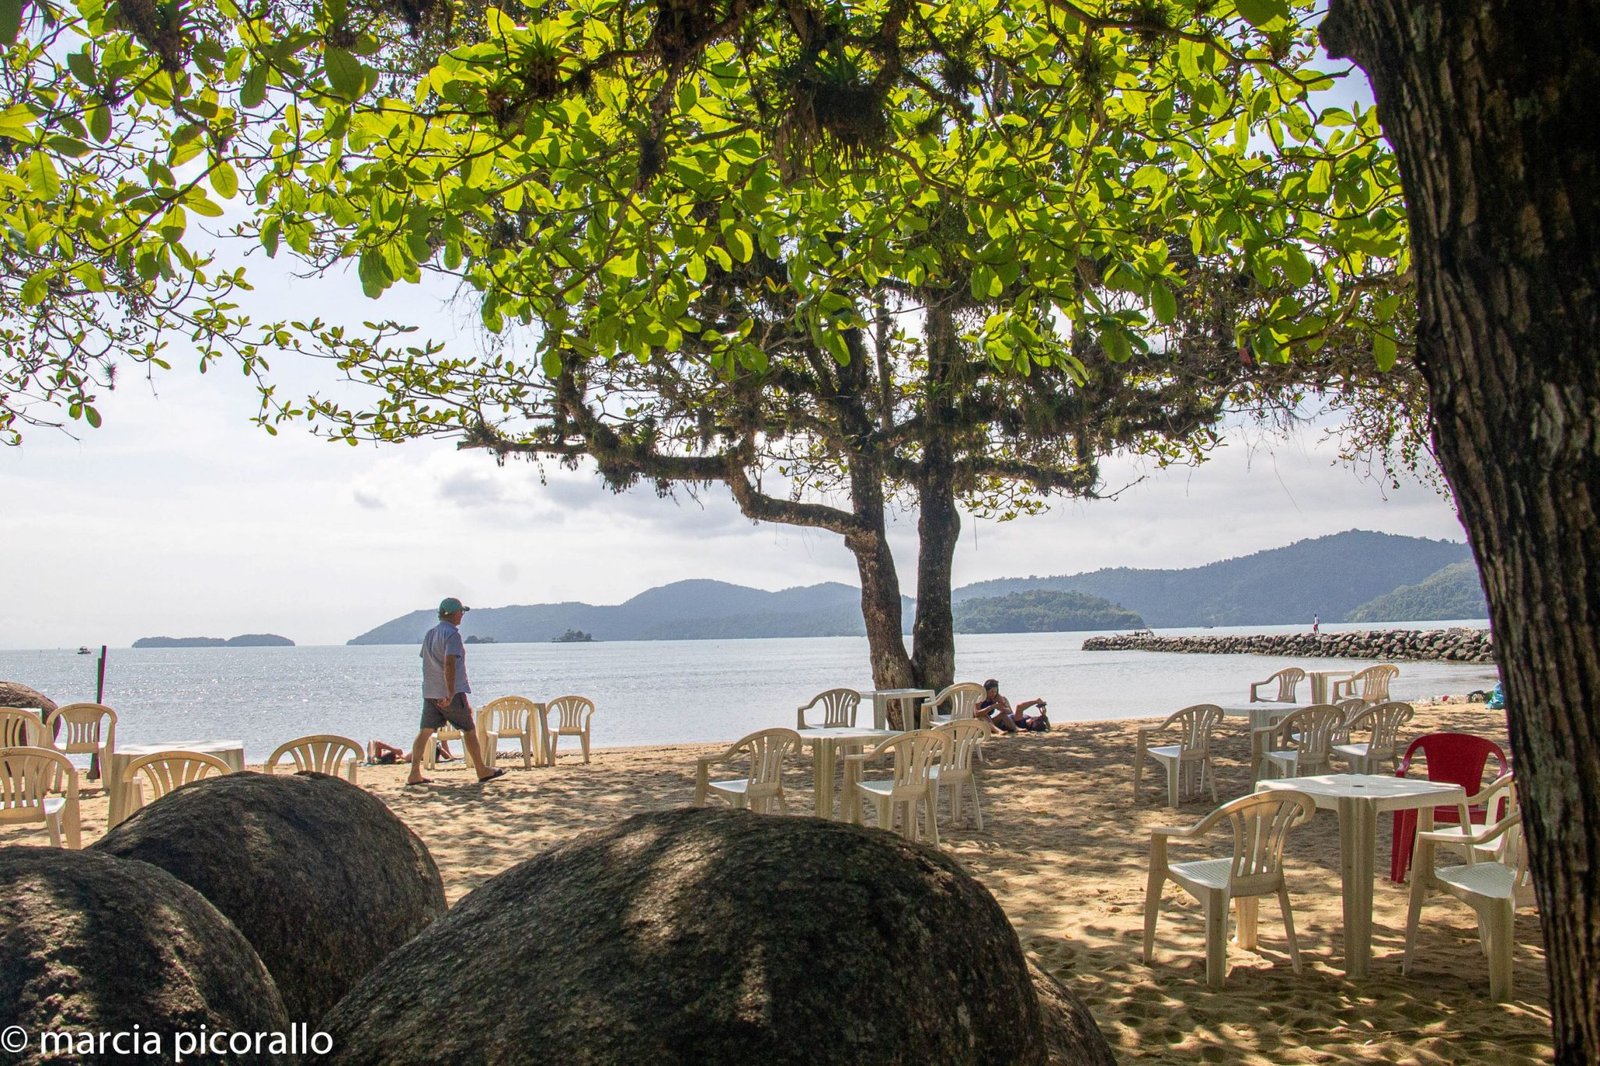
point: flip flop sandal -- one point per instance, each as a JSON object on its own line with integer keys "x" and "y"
{"x": 499, "y": 772}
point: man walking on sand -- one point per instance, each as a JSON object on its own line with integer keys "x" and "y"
{"x": 444, "y": 691}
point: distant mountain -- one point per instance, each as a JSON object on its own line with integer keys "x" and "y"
{"x": 244, "y": 640}
{"x": 1328, "y": 576}
{"x": 1038, "y": 611}
{"x": 1453, "y": 592}
{"x": 683, "y": 610}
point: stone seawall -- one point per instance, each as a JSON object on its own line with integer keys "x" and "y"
{"x": 1416, "y": 645}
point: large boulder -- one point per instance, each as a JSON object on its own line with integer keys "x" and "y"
{"x": 16, "y": 694}
{"x": 319, "y": 875}
{"x": 94, "y": 944}
{"x": 698, "y": 935}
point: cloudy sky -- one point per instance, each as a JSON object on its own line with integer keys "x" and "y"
{"x": 179, "y": 518}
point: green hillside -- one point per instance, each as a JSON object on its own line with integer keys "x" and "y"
{"x": 1453, "y": 592}
{"x": 1042, "y": 612}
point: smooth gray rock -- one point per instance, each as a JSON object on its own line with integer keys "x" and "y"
{"x": 93, "y": 943}
{"x": 16, "y": 694}
{"x": 321, "y": 877}
{"x": 700, "y": 936}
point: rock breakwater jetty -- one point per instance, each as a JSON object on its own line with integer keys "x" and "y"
{"x": 1416, "y": 645}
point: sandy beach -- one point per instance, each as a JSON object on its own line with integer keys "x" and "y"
{"x": 1065, "y": 849}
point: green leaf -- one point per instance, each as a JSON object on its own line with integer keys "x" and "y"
{"x": 1384, "y": 351}
{"x": 16, "y": 120}
{"x": 1260, "y": 12}
{"x": 10, "y": 21}
{"x": 41, "y": 175}
{"x": 346, "y": 73}
{"x": 1164, "y": 303}
{"x": 254, "y": 88}
{"x": 224, "y": 180}
{"x": 100, "y": 123}
{"x": 740, "y": 245}
{"x": 36, "y": 288}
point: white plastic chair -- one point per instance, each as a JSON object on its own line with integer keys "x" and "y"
{"x": 573, "y": 717}
{"x": 761, "y": 789}
{"x": 1301, "y": 743}
{"x": 164, "y": 771}
{"x": 839, "y": 706}
{"x": 1498, "y": 801}
{"x": 512, "y": 717}
{"x": 1287, "y": 681}
{"x": 446, "y": 732}
{"x": 913, "y": 755}
{"x": 957, "y": 766}
{"x": 1193, "y": 727}
{"x": 27, "y": 775}
{"x": 86, "y": 729}
{"x": 322, "y": 753}
{"x": 960, "y": 700}
{"x": 1370, "y": 685}
{"x": 21, "y": 728}
{"x": 1494, "y": 889}
{"x": 1260, "y": 823}
{"x": 1381, "y": 749}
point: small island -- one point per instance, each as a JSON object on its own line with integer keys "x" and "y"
{"x": 244, "y": 640}
{"x": 475, "y": 639}
{"x": 573, "y": 636}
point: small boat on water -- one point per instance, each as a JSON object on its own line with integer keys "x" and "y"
{"x": 83, "y": 649}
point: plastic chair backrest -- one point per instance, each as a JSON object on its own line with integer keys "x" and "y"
{"x": 914, "y": 755}
{"x": 962, "y": 739}
{"x": 1455, "y": 758}
{"x": 768, "y": 749}
{"x": 87, "y": 727}
{"x": 1261, "y": 822}
{"x": 963, "y": 697}
{"x": 166, "y": 770}
{"x": 323, "y": 753}
{"x": 1384, "y": 721}
{"x": 1311, "y": 730}
{"x": 27, "y": 774}
{"x": 839, "y": 706}
{"x": 1288, "y": 680}
{"x": 1195, "y": 725}
{"x": 573, "y": 711}
{"x": 507, "y": 716}
{"x": 21, "y": 729}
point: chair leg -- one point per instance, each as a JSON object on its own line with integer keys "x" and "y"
{"x": 1216, "y": 904}
{"x": 1497, "y": 937}
{"x": 1246, "y": 910}
{"x": 1419, "y": 892}
{"x": 550, "y": 749}
{"x": 584, "y": 740}
{"x": 1138, "y": 772}
{"x": 977, "y": 803}
{"x": 931, "y": 822}
{"x": 1152, "y": 903}
{"x": 1173, "y": 781}
{"x": 1209, "y": 773}
{"x": 1288, "y": 927}
{"x": 1405, "y": 833}
{"x": 52, "y": 823}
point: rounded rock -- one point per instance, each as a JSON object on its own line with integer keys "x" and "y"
{"x": 94, "y": 944}
{"x": 319, "y": 875}
{"x": 697, "y": 935}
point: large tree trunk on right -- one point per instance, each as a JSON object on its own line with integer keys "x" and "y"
{"x": 1490, "y": 108}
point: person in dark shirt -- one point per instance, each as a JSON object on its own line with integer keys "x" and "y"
{"x": 1007, "y": 719}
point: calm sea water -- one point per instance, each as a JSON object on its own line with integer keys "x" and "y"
{"x": 647, "y": 692}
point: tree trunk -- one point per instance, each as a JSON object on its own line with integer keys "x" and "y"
{"x": 881, "y": 610}
{"x": 1489, "y": 108}
{"x": 933, "y": 633}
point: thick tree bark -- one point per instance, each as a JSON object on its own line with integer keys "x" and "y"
{"x": 1490, "y": 108}
{"x": 933, "y": 633}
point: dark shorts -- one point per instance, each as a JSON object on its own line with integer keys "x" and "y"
{"x": 458, "y": 714}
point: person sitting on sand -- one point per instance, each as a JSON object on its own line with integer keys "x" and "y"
{"x": 381, "y": 754}
{"x": 1006, "y": 719}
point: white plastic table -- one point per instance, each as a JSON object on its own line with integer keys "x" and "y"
{"x": 882, "y": 698}
{"x": 1359, "y": 799}
{"x": 1322, "y": 681}
{"x": 1262, "y": 716}
{"x": 125, "y": 795}
{"x": 825, "y": 744}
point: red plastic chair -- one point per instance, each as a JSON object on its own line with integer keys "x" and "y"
{"x": 1455, "y": 759}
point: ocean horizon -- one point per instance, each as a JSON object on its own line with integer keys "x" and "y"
{"x": 649, "y": 692}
